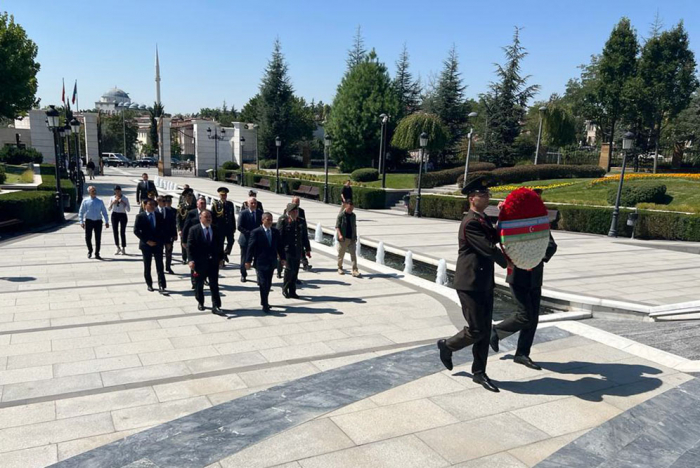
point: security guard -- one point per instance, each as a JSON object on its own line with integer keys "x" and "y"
{"x": 526, "y": 288}
{"x": 187, "y": 204}
{"x": 292, "y": 242}
{"x": 474, "y": 282}
{"x": 224, "y": 219}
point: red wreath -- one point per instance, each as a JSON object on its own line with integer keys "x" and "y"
{"x": 522, "y": 203}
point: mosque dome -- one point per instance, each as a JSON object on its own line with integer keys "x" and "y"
{"x": 115, "y": 95}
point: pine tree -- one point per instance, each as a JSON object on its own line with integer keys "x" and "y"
{"x": 509, "y": 96}
{"x": 407, "y": 88}
{"x": 358, "y": 53}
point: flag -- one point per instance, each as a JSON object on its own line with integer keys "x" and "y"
{"x": 63, "y": 93}
{"x": 75, "y": 91}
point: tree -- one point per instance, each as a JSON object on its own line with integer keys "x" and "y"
{"x": 685, "y": 128}
{"x": 175, "y": 147}
{"x": 358, "y": 53}
{"x": 249, "y": 113}
{"x": 409, "y": 129}
{"x": 558, "y": 124}
{"x": 18, "y": 69}
{"x": 155, "y": 112}
{"x": 614, "y": 76}
{"x": 224, "y": 116}
{"x": 407, "y": 88}
{"x": 365, "y": 92}
{"x": 508, "y": 97}
{"x": 667, "y": 76}
{"x": 115, "y": 134}
{"x": 447, "y": 100}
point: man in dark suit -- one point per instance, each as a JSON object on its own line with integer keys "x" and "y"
{"x": 150, "y": 229}
{"x": 192, "y": 219}
{"x": 224, "y": 218}
{"x": 292, "y": 243}
{"x": 478, "y": 250}
{"x": 248, "y": 220}
{"x": 145, "y": 187}
{"x": 170, "y": 232}
{"x": 263, "y": 249}
{"x": 205, "y": 251}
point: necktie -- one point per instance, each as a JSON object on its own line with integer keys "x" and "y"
{"x": 269, "y": 238}
{"x": 152, "y": 219}
{"x": 206, "y": 234}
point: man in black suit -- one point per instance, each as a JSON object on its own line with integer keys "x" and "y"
{"x": 224, "y": 218}
{"x": 150, "y": 229}
{"x": 478, "y": 250}
{"x": 248, "y": 220}
{"x": 263, "y": 249}
{"x": 145, "y": 187}
{"x": 192, "y": 219}
{"x": 205, "y": 249}
{"x": 170, "y": 233}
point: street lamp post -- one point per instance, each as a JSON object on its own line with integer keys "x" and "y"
{"x": 52, "y": 121}
{"x": 539, "y": 134}
{"x": 469, "y": 149}
{"x": 242, "y": 141}
{"x": 326, "y": 152}
{"x": 216, "y": 139}
{"x": 382, "y": 148}
{"x": 75, "y": 129}
{"x": 423, "y": 144}
{"x": 627, "y": 144}
{"x": 278, "y": 143}
{"x": 66, "y": 136}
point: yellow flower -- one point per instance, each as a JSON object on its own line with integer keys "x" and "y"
{"x": 510, "y": 188}
{"x": 633, "y": 176}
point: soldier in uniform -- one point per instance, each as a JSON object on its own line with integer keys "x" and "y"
{"x": 292, "y": 243}
{"x": 224, "y": 219}
{"x": 301, "y": 217}
{"x": 526, "y": 288}
{"x": 187, "y": 204}
{"x": 474, "y": 282}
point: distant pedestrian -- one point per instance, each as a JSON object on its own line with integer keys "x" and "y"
{"x": 92, "y": 212}
{"x": 345, "y": 194}
{"x": 264, "y": 248}
{"x": 91, "y": 169}
{"x": 346, "y": 230}
{"x": 253, "y": 193}
{"x": 144, "y": 188}
{"x": 119, "y": 206}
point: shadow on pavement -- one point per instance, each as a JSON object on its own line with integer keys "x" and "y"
{"x": 18, "y": 279}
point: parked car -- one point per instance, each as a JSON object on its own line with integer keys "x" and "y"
{"x": 116, "y": 160}
{"x": 147, "y": 162}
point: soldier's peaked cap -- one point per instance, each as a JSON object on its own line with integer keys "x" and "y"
{"x": 479, "y": 184}
{"x": 291, "y": 207}
{"x": 222, "y": 190}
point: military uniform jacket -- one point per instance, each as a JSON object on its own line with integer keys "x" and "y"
{"x": 224, "y": 216}
{"x": 302, "y": 219}
{"x": 291, "y": 236}
{"x": 182, "y": 211}
{"x": 478, "y": 250}
{"x": 532, "y": 278}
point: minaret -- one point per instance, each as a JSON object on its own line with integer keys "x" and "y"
{"x": 157, "y": 77}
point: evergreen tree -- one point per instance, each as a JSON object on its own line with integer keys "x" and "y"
{"x": 365, "y": 92}
{"x": 114, "y": 133}
{"x": 508, "y": 96}
{"x": 667, "y": 76}
{"x": 155, "y": 113}
{"x": 249, "y": 113}
{"x": 407, "y": 88}
{"x": 18, "y": 69}
{"x": 358, "y": 53}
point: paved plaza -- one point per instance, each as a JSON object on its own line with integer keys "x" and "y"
{"x": 97, "y": 371}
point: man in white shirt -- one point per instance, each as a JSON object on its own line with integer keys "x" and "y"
{"x": 119, "y": 206}
{"x": 92, "y": 211}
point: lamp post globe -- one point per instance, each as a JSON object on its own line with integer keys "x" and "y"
{"x": 423, "y": 140}
{"x": 326, "y": 153}
{"x": 242, "y": 142}
{"x": 627, "y": 146}
{"x": 75, "y": 126}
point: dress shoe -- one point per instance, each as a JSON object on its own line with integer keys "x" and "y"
{"x": 279, "y": 275}
{"x": 483, "y": 379}
{"x": 118, "y": 252}
{"x": 170, "y": 271}
{"x": 526, "y": 361}
{"x": 89, "y": 254}
{"x": 193, "y": 286}
{"x": 161, "y": 289}
{"x": 341, "y": 271}
{"x": 293, "y": 296}
{"x": 494, "y": 339}
{"x": 123, "y": 250}
{"x": 445, "y": 354}
{"x": 150, "y": 288}
{"x": 285, "y": 294}
{"x": 243, "y": 279}
{"x": 217, "y": 310}
{"x": 299, "y": 281}
{"x": 200, "y": 307}
{"x": 97, "y": 256}
{"x": 266, "y": 309}
{"x": 356, "y": 274}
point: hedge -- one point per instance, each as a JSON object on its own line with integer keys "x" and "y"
{"x": 16, "y": 156}
{"x": 363, "y": 197}
{"x": 451, "y": 176}
{"x": 230, "y": 165}
{"x": 588, "y": 219}
{"x": 48, "y": 183}
{"x": 631, "y": 195}
{"x": 34, "y": 208}
{"x": 367, "y": 174}
{"x": 3, "y": 176}
{"x": 519, "y": 174}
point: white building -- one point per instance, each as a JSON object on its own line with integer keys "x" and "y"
{"x": 109, "y": 101}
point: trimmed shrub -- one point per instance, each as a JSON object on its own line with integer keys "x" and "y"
{"x": 17, "y": 156}
{"x": 3, "y": 176}
{"x": 230, "y": 165}
{"x": 365, "y": 175}
{"x": 34, "y": 208}
{"x": 222, "y": 174}
{"x": 48, "y": 184}
{"x": 451, "y": 176}
{"x": 519, "y": 174}
{"x": 633, "y": 194}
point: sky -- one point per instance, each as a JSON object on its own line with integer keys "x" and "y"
{"x": 213, "y": 51}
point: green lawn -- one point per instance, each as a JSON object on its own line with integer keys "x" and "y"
{"x": 394, "y": 181}
{"x": 18, "y": 175}
{"x": 684, "y": 194}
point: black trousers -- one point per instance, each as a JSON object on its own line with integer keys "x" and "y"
{"x": 304, "y": 262}
{"x": 228, "y": 234}
{"x": 119, "y": 228}
{"x": 212, "y": 275}
{"x": 477, "y": 308}
{"x": 184, "y": 252}
{"x": 524, "y": 320}
{"x": 244, "y": 252}
{"x": 150, "y": 254}
{"x": 291, "y": 272}
{"x": 265, "y": 283}
{"x": 96, "y": 227}
{"x": 168, "y": 255}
